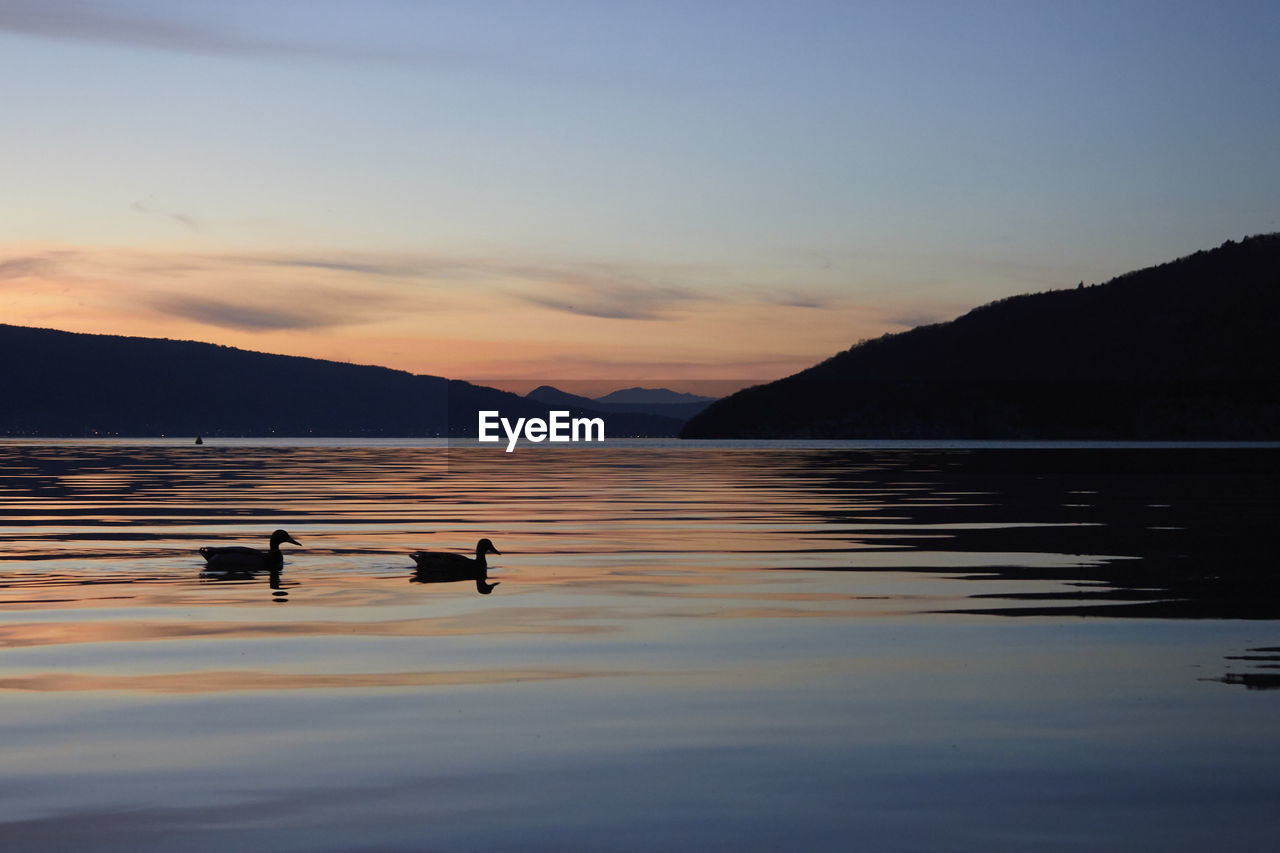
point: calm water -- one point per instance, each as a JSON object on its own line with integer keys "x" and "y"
{"x": 707, "y": 647}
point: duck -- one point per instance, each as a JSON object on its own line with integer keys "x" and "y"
{"x": 443, "y": 567}
{"x": 444, "y": 561}
{"x": 238, "y": 558}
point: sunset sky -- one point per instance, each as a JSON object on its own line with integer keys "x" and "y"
{"x": 651, "y": 190}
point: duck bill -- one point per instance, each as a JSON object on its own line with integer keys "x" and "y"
{"x": 294, "y": 541}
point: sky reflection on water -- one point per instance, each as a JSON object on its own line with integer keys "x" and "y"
{"x": 771, "y": 648}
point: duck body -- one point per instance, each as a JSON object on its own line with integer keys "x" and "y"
{"x": 238, "y": 558}
{"x": 445, "y": 561}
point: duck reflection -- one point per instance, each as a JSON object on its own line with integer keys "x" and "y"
{"x": 480, "y": 576}
{"x": 241, "y": 575}
{"x": 445, "y": 567}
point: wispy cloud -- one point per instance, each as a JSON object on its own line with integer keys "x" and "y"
{"x": 246, "y": 300}
{"x": 798, "y": 299}
{"x": 184, "y": 219}
{"x": 244, "y": 293}
{"x": 256, "y": 29}
{"x": 589, "y": 289}
{"x": 247, "y": 317}
{"x": 302, "y": 290}
{"x": 383, "y": 266}
{"x": 614, "y": 300}
{"x": 31, "y": 266}
{"x": 173, "y": 27}
{"x": 71, "y": 19}
{"x": 389, "y": 33}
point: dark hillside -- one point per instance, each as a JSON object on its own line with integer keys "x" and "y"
{"x": 1184, "y": 350}
{"x": 65, "y": 384}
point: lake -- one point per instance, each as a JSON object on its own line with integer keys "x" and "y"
{"x": 711, "y": 646}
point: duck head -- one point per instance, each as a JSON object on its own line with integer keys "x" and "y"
{"x": 282, "y": 536}
{"x": 484, "y": 546}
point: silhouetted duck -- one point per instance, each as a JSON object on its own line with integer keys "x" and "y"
{"x": 444, "y": 561}
{"x": 443, "y": 567}
{"x": 237, "y": 558}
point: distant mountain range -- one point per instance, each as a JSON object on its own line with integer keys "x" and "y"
{"x": 67, "y": 384}
{"x": 1186, "y": 350}
{"x": 652, "y": 396}
{"x": 659, "y": 402}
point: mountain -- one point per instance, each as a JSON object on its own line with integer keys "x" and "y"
{"x": 670, "y": 406}
{"x": 555, "y": 397}
{"x": 1183, "y": 350}
{"x": 650, "y": 421}
{"x": 650, "y": 396}
{"x": 68, "y": 384}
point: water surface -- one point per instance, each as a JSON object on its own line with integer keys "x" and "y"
{"x": 731, "y": 646}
